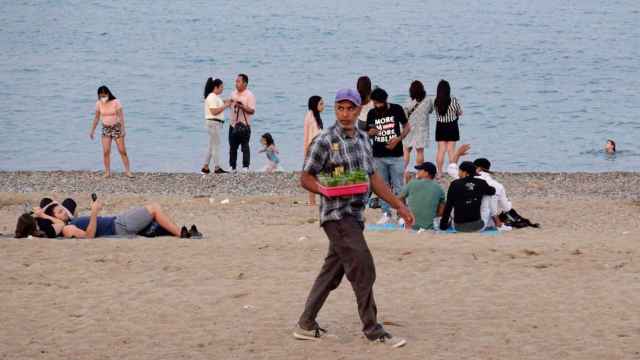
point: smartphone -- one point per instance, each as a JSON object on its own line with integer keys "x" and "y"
{"x": 94, "y": 197}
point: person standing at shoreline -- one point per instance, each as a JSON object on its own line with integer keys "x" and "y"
{"x": 448, "y": 111}
{"x": 387, "y": 125}
{"x": 417, "y": 109}
{"x": 364, "y": 89}
{"x": 312, "y": 127}
{"x": 109, "y": 111}
{"x": 342, "y": 219}
{"x": 214, "y": 117}
{"x": 243, "y": 104}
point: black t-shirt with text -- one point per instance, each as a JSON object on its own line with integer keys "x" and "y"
{"x": 387, "y": 121}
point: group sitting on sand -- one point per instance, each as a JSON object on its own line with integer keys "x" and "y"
{"x": 475, "y": 200}
{"x": 53, "y": 219}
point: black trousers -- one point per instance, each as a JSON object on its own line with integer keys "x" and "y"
{"x": 236, "y": 142}
{"x": 348, "y": 255}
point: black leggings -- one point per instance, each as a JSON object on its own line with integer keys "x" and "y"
{"x": 234, "y": 143}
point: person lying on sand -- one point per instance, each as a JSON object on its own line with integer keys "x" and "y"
{"x": 128, "y": 223}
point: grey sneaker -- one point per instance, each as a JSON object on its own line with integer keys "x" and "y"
{"x": 302, "y": 334}
{"x": 393, "y": 341}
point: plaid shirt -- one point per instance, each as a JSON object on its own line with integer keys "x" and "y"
{"x": 331, "y": 148}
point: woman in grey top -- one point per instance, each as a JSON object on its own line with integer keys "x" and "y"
{"x": 417, "y": 108}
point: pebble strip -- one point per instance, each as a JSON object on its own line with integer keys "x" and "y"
{"x": 612, "y": 185}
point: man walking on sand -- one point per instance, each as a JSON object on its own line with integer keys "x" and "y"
{"x": 342, "y": 218}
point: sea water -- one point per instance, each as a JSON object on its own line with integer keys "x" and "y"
{"x": 543, "y": 83}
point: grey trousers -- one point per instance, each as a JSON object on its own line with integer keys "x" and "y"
{"x": 348, "y": 255}
{"x": 213, "y": 152}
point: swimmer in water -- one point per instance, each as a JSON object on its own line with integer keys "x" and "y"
{"x": 610, "y": 147}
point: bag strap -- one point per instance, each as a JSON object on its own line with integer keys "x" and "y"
{"x": 414, "y": 108}
{"x": 238, "y": 110}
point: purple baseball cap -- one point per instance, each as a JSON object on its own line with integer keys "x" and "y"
{"x": 350, "y": 95}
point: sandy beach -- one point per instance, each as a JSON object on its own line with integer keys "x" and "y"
{"x": 568, "y": 290}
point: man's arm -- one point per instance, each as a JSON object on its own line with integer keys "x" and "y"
{"x": 460, "y": 152}
{"x": 249, "y": 108}
{"x": 380, "y": 188}
{"x": 96, "y": 206}
{"x": 406, "y": 126}
{"x": 440, "y": 210}
{"x": 309, "y": 182}
{"x": 72, "y": 231}
{"x": 487, "y": 189}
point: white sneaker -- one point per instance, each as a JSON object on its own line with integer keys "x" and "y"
{"x": 233, "y": 171}
{"x": 504, "y": 227}
{"x": 385, "y": 219}
{"x": 245, "y": 169}
{"x": 302, "y": 334}
{"x": 393, "y": 341}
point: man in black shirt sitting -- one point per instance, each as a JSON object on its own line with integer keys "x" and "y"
{"x": 465, "y": 198}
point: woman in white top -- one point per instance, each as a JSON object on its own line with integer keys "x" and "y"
{"x": 312, "y": 127}
{"x": 417, "y": 108}
{"x": 109, "y": 111}
{"x": 214, "y": 117}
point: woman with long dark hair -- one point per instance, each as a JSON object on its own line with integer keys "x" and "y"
{"x": 109, "y": 111}
{"x": 312, "y": 127}
{"x": 417, "y": 110}
{"x": 448, "y": 111}
{"x": 364, "y": 89}
{"x": 214, "y": 119}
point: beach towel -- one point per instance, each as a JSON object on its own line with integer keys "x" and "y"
{"x": 397, "y": 227}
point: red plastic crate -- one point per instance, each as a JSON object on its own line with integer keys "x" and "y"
{"x": 344, "y": 190}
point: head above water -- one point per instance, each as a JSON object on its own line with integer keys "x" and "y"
{"x": 104, "y": 92}
{"x": 610, "y": 146}
{"x": 347, "y": 108}
{"x": 213, "y": 86}
{"x": 364, "y": 88}
{"x": 316, "y": 106}
{"x": 242, "y": 81}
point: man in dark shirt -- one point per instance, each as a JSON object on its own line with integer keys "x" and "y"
{"x": 465, "y": 197}
{"x": 387, "y": 125}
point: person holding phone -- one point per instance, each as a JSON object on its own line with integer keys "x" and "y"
{"x": 243, "y": 107}
{"x": 128, "y": 223}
